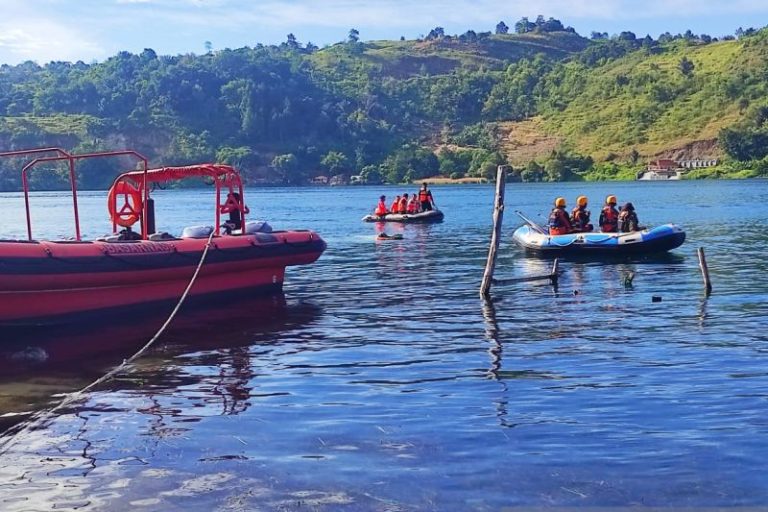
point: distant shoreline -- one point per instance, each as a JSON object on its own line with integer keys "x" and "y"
{"x": 451, "y": 181}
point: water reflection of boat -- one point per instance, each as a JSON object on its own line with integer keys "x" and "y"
{"x": 423, "y": 217}
{"x": 234, "y": 323}
{"x": 38, "y": 366}
{"x": 648, "y": 241}
{"x": 54, "y": 282}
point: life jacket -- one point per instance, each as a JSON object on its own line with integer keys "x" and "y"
{"x": 381, "y": 209}
{"x": 403, "y": 205}
{"x": 424, "y": 195}
{"x": 413, "y": 206}
{"x": 580, "y": 219}
{"x": 609, "y": 219}
{"x": 559, "y": 223}
{"x": 395, "y": 208}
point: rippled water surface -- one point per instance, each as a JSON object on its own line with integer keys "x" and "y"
{"x": 381, "y": 381}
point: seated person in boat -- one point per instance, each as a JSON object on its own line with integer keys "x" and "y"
{"x": 413, "y": 204}
{"x": 425, "y": 198}
{"x": 232, "y": 206}
{"x": 381, "y": 208}
{"x": 609, "y": 216}
{"x": 580, "y": 216}
{"x": 395, "y": 208}
{"x": 628, "y": 219}
{"x": 559, "y": 222}
{"x": 404, "y": 203}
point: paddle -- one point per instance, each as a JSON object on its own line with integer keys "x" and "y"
{"x": 531, "y": 223}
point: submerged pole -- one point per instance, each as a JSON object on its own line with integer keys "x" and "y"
{"x": 555, "y": 272}
{"x": 704, "y": 270}
{"x": 498, "y": 217}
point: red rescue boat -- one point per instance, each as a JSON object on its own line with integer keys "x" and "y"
{"x": 50, "y": 282}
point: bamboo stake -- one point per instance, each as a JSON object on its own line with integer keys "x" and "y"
{"x": 704, "y": 270}
{"x": 498, "y": 217}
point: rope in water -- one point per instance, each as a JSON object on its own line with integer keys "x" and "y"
{"x": 41, "y": 416}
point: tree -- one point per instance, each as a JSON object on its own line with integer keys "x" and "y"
{"x": 292, "y": 43}
{"x": 208, "y": 46}
{"x": 436, "y": 33}
{"x": 502, "y": 28}
{"x": 335, "y": 162}
{"x": 354, "y": 36}
{"x": 286, "y": 167}
{"x": 685, "y": 66}
{"x": 524, "y": 26}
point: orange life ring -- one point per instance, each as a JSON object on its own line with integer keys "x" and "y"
{"x": 129, "y": 213}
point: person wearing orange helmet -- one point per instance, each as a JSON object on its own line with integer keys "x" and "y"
{"x": 580, "y": 216}
{"x": 559, "y": 222}
{"x": 609, "y": 216}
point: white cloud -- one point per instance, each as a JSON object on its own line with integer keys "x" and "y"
{"x": 44, "y": 41}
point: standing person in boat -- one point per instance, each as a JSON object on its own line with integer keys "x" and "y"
{"x": 609, "y": 216}
{"x": 404, "y": 203}
{"x": 413, "y": 204}
{"x": 580, "y": 216}
{"x": 559, "y": 222}
{"x": 395, "y": 208}
{"x": 381, "y": 208}
{"x": 628, "y": 219}
{"x": 425, "y": 198}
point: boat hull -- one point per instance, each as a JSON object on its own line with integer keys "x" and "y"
{"x": 650, "y": 241}
{"x": 44, "y": 283}
{"x": 423, "y": 217}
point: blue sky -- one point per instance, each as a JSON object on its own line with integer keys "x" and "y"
{"x": 88, "y": 30}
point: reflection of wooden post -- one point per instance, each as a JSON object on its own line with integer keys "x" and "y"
{"x": 704, "y": 270}
{"x": 498, "y": 216}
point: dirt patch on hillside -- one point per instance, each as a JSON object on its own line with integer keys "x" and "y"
{"x": 524, "y": 141}
{"x": 696, "y": 150}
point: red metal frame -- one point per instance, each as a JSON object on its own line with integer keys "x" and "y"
{"x": 63, "y": 155}
{"x": 223, "y": 176}
{"x": 71, "y": 158}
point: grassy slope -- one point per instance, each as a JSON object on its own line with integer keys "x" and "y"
{"x": 409, "y": 58}
{"x": 644, "y": 102}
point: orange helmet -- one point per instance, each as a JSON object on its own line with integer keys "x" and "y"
{"x": 610, "y": 200}
{"x": 581, "y": 201}
{"x": 560, "y": 201}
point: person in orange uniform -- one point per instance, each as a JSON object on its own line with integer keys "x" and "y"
{"x": 609, "y": 216}
{"x": 413, "y": 205}
{"x": 425, "y": 198}
{"x": 559, "y": 222}
{"x": 404, "y": 203}
{"x": 381, "y": 208}
{"x": 580, "y": 216}
{"x": 395, "y": 208}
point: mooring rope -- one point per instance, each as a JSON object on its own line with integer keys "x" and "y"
{"x": 46, "y": 413}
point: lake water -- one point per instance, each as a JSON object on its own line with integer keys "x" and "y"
{"x": 381, "y": 381}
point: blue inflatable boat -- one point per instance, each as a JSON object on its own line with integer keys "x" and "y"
{"x": 535, "y": 239}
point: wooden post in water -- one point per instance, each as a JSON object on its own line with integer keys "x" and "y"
{"x": 704, "y": 270}
{"x": 498, "y": 217}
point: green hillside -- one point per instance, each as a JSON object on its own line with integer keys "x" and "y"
{"x": 546, "y": 100}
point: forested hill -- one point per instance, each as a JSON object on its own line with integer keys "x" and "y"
{"x": 552, "y": 103}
